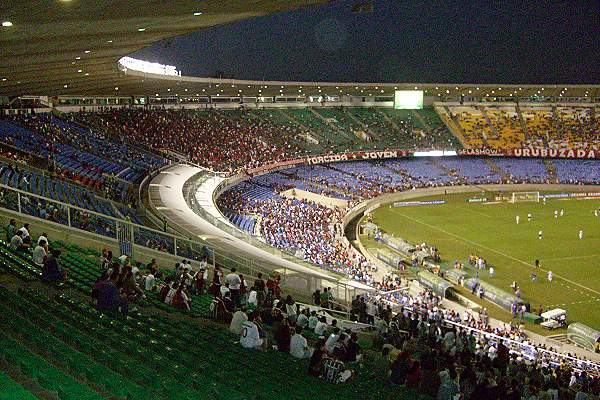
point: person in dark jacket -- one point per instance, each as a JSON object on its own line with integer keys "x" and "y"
{"x": 52, "y": 272}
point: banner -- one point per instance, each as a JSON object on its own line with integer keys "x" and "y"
{"x": 315, "y": 160}
{"x": 531, "y": 152}
{"x": 358, "y": 155}
{"x": 417, "y": 203}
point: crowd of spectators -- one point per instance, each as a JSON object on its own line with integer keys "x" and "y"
{"x": 220, "y": 140}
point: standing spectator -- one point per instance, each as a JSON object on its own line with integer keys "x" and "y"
{"x": 233, "y": 283}
{"x": 217, "y": 278}
{"x": 290, "y": 309}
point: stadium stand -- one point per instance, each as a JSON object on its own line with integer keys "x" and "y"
{"x": 510, "y": 125}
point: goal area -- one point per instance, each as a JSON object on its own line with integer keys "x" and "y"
{"x": 519, "y": 197}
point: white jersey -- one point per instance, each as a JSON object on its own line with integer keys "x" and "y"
{"x": 580, "y": 234}
{"x": 517, "y": 218}
{"x": 250, "y": 337}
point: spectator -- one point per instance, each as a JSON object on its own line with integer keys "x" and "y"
{"x": 250, "y": 336}
{"x": 39, "y": 253}
{"x": 290, "y": 309}
{"x": 109, "y": 298}
{"x": 315, "y": 365}
{"x": 238, "y": 320}
{"x": 16, "y": 243}
{"x": 321, "y": 327}
{"x": 181, "y": 300}
{"x": 11, "y": 229}
{"x": 233, "y": 283}
{"x": 299, "y": 346}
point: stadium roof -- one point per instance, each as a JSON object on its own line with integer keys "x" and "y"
{"x": 71, "y": 47}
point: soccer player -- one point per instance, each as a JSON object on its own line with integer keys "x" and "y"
{"x": 544, "y": 200}
{"x": 517, "y": 218}
{"x": 491, "y": 272}
{"x": 595, "y": 213}
{"x": 533, "y": 277}
{"x": 580, "y": 234}
{"x": 555, "y": 213}
{"x": 540, "y": 235}
{"x": 562, "y": 212}
{"x": 550, "y": 276}
{"x": 529, "y": 217}
{"x": 537, "y": 263}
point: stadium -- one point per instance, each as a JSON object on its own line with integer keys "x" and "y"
{"x": 271, "y": 200}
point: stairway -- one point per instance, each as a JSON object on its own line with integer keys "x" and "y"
{"x": 489, "y": 122}
{"x": 319, "y": 137}
{"x": 496, "y": 169}
{"x": 359, "y": 122}
{"x": 522, "y": 122}
{"x": 452, "y": 124}
{"x": 333, "y": 126}
{"x": 418, "y": 116}
{"x": 387, "y": 119}
{"x": 551, "y": 170}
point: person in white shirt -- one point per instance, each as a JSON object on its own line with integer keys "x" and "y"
{"x": 39, "y": 254}
{"x": 580, "y": 234}
{"x": 312, "y": 320}
{"x": 321, "y": 326}
{"x": 332, "y": 340}
{"x": 124, "y": 259}
{"x": 250, "y": 337}
{"x": 238, "y": 320}
{"x": 24, "y": 231}
{"x": 170, "y": 294}
{"x": 233, "y": 281}
{"x": 517, "y": 218}
{"x": 44, "y": 237}
{"x": 16, "y": 242}
{"x": 149, "y": 281}
{"x": 299, "y": 346}
{"x": 302, "y": 319}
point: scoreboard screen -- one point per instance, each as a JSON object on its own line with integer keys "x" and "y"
{"x": 408, "y": 99}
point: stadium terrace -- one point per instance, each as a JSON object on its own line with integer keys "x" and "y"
{"x": 175, "y": 237}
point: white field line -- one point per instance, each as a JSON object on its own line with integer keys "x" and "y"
{"x": 495, "y": 251}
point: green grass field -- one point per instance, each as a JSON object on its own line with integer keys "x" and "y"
{"x": 459, "y": 228}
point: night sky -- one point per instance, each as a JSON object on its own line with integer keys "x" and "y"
{"x": 447, "y": 41}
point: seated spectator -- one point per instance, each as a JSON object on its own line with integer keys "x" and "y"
{"x": 237, "y": 321}
{"x": 299, "y": 346}
{"x": 315, "y": 365}
{"x": 332, "y": 340}
{"x": 302, "y": 320}
{"x": 11, "y": 228}
{"x": 312, "y": 320}
{"x": 399, "y": 368}
{"x": 25, "y": 233}
{"x": 180, "y": 299}
{"x": 321, "y": 327}
{"x": 149, "y": 282}
{"x": 353, "y": 349}
{"x": 52, "y": 272}
{"x": 109, "y": 298}
{"x": 39, "y": 253}
{"x": 16, "y": 242}
{"x": 43, "y": 237}
{"x": 282, "y": 334}
{"x": 250, "y": 336}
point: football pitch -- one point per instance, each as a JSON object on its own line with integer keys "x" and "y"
{"x": 458, "y": 229}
